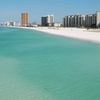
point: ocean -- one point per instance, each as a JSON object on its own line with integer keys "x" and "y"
{"x": 39, "y": 66}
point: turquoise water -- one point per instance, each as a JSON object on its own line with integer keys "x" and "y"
{"x": 37, "y": 66}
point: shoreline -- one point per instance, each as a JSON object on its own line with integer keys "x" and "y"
{"x": 75, "y": 33}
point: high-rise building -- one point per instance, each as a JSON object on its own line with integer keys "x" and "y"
{"x": 50, "y": 20}
{"x": 89, "y": 21}
{"x": 73, "y": 21}
{"x": 44, "y": 21}
{"x": 98, "y": 19}
{"x": 24, "y": 19}
{"x": 93, "y": 20}
{"x": 47, "y": 20}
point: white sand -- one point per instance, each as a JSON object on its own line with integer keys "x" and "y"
{"x": 76, "y": 33}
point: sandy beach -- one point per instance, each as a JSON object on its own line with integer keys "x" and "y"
{"x": 77, "y": 33}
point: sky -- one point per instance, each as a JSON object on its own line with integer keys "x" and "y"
{"x": 10, "y": 10}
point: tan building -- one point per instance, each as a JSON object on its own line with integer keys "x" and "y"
{"x": 24, "y": 19}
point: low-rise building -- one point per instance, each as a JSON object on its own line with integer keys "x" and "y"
{"x": 57, "y": 24}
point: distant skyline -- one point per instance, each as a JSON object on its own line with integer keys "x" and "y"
{"x": 10, "y": 10}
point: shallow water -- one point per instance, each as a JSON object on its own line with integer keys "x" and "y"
{"x": 38, "y": 66}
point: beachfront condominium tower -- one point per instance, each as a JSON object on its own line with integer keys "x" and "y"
{"x": 47, "y": 20}
{"x": 24, "y": 19}
{"x": 92, "y": 20}
{"x": 74, "y": 21}
{"x": 88, "y": 21}
{"x": 98, "y": 19}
